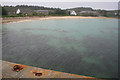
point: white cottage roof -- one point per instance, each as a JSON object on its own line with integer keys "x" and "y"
{"x": 18, "y": 11}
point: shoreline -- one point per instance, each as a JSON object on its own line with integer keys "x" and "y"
{"x": 23, "y": 19}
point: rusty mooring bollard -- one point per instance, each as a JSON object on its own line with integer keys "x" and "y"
{"x": 37, "y": 74}
{"x": 17, "y": 68}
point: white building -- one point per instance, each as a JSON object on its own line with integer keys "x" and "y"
{"x": 73, "y": 13}
{"x": 18, "y": 11}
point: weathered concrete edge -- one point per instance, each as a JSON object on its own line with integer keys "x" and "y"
{"x": 7, "y": 72}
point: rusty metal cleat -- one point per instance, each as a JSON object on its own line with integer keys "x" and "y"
{"x": 37, "y": 74}
{"x": 17, "y": 68}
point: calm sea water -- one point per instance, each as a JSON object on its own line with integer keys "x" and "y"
{"x": 79, "y": 46}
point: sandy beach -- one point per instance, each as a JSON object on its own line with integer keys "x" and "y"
{"x": 23, "y": 19}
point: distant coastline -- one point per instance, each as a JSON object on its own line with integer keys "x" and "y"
{"x": 23, "y": 19}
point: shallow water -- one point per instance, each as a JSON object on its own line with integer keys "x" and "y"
{"x": 79, "y": 46}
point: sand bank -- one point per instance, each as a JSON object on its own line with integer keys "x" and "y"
{"x": 23, "y": 19}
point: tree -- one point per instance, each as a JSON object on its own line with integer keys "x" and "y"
{"x": 4, "y": 12}
{"x": 69, "y": 12}
{"x": 60, "y": 12}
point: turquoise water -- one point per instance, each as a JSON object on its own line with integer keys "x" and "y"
{"x": 79, "y": 46}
